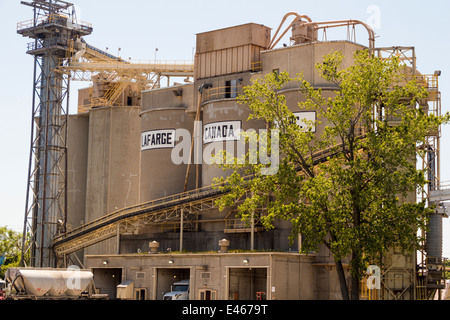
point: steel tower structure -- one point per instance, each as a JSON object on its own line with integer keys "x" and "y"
{"x": 54, "y": 28}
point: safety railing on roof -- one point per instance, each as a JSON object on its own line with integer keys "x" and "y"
{"x": 135, "y": 65}
{"x": 256, "y": 66}
{"x": 430, "y": 81}
{"x": 443, "y": 185}
{"x": 54, "y": 19}
{"x": 40, "y": 44}
{"x": 239, "y": 225}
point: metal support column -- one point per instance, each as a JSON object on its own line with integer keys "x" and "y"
{"x": 181, "y": 229}
{"x": 51, "y": 29}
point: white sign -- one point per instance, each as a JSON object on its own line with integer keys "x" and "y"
{"x": 157, "y": 139}
{"x": 221, "y": 131}
{"x": 308, "y": 116}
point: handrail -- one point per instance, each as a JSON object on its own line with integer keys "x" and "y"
{"x": 40, "y": 44}
{"x": 256, "y": 66}
{"x": 431, "y": 81}
{"x": 322, "y": 25}
{"x": 345, "y": 23}
{"x": 226, "y": 92}
{"x": 52, "y": 18}
{"x": 443, "y": 185}
{"x": 171, "y": 65}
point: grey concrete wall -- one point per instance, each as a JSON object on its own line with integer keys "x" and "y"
{"x": 77, "y": 146}
{"x": 288, "y": 276}
{"x": 113, "y": 165}
{"x": 166, "y": 98}
{"x": 303, "y": 59}
{"x": 113, "y": 160}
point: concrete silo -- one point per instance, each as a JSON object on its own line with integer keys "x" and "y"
{"x": 165, "y": 122}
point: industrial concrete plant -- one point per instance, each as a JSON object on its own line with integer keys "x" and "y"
{"x": 105, "y": 193}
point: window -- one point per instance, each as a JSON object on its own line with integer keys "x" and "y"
{"x": 180, "y": 287}
{"x": 231, "y": 88}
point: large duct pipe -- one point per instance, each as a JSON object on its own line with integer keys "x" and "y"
{"x": 298, "y": 17}
{"x": 433, "y": 244}
{"x": 321, "y": 25}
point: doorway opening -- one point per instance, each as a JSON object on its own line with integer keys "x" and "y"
{"x": 247, "y": 283}
{"x": 107, "y": 280}
{"x": 166, "y": 277}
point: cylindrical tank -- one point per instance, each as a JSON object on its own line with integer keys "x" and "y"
{"x": 163, "y": 174}
{"x": 113, "y": 161}
{"x": 77, "y": 281}
{"x": 433, "y": 245}
{"x": 223, "y": 120}
{"x": 35, "y": 282}
{"x": 59, "y": 284}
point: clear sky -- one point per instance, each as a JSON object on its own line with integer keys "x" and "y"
{"x": 138, "y": 27}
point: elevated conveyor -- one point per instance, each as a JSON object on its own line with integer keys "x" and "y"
{"x": 163, "y": 210}
{"x": 88, "y": 63}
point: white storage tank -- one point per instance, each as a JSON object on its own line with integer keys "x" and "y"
{"x": 49, "y": 282}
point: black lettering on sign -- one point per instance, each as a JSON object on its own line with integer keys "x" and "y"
{"x": 221, "y": 131}
{"x": 156, "y": 139}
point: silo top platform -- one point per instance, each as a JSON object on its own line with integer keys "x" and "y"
{"x": 36, "y": 28}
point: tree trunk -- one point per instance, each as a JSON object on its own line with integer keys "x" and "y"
{"x": 355, "y": 287}
{"x": 342, "y": 282}
{"x": 355, "y": 278}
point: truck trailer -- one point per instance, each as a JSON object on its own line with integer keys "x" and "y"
{"x": 50, "y": 284}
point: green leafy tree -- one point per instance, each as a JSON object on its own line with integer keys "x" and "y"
{"x": 10, "y": 249}
{"x": 360, "y": 200}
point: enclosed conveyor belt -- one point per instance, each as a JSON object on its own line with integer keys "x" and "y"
{"x": 133, "y": 67}
{"x": 96, "y": 60}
